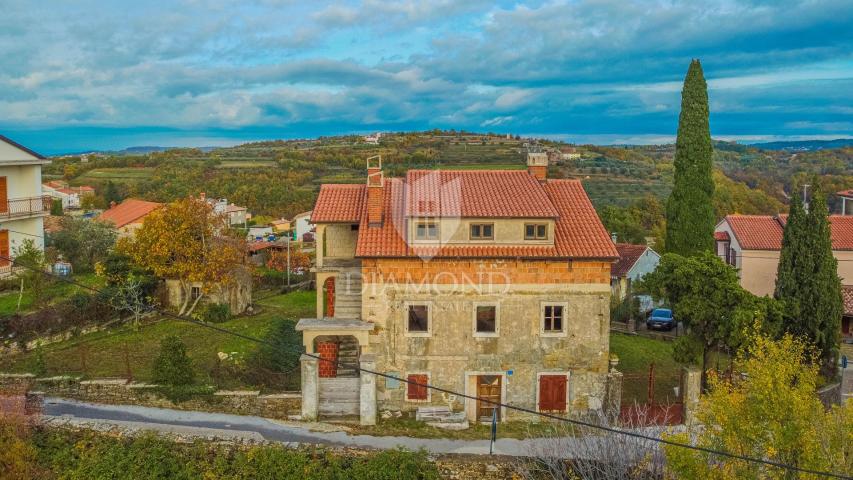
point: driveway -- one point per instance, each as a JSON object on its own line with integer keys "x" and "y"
{"x": 248, "y": 428}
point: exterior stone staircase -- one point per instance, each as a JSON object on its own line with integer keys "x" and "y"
{"x": 348, "y": 295}
{"x": 348, "y": 358}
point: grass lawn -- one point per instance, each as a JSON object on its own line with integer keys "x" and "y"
{"x": 104, "y": 352}
{"x": 55, "y": 291}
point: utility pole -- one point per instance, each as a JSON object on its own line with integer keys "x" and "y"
{"x": 288, "y": 260}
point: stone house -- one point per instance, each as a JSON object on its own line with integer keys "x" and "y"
{"x": 492, "y": 283}
{"x": 127, "y": 216}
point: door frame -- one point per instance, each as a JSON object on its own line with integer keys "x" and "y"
{"x": 471, "y": 390}
{"x": 568, "y": 375}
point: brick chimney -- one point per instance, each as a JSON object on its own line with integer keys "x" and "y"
{"x": 375, "y": 187}
{"x": 537, "y": 165}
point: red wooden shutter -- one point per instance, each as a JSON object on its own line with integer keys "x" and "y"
{"x": 4, "y": 201}
{"x": 552, "y": 393}
{"x": 417, "y": 392}
{"x": 4, "y": 248}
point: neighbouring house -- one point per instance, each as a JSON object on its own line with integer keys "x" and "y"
{"x": 128, "y": 215}
{"x": 752, "y": 243}
{"x": 23, "y": 206}
{"x": 237, "y": 294}
{"x": 70, "y": 196}
{"x": 569, "y": 153}
{"x": 235, "y": 215}
{"x": 280, "y": 226}
{"x": 494, "y": 283}
{"x": 846, "y": 196}
{"x": 259, "y": 233}
{"x": 373, "y": 139}
{"x": 635, "y": 261}
{"x": 258, "y": 252}
{"x": 303, "y": 228}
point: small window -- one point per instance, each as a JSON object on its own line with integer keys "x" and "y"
{"x": 354, "y": 227}
{"x": 195, "y": 292}
{"x": 535, "y": 231}
{"x": 426, "y": 231}
{"x": 418, "y": 319}
{"x": 486, "y": 319}
{"x": 416, "y": 389}
{"x": 482, "y": 231}
{"x": 552, "y": 318}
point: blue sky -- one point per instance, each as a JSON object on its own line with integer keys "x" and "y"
{"x": 104, "y": 75}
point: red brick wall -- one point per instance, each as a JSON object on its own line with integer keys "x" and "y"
{"x": 483, "y": 272}
{"x": 328, "y": 351}
{"x": 538, "y": 171}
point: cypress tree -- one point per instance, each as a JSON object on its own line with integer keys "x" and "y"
{"x": 689, "y": 209}
{"x": 807, "y": 280}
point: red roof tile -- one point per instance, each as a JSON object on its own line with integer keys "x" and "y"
{"x": 578, "y": 231}
{"x": 764, "y": 232}
{"x": 485, "y": 193}
{"x": 845, "y": 193}
{"x": 847, "y": 296}
{"x": 128, "y": 211}
{"x": 339, "y": 203}
{"x": 722, "y": 236}
{"x": 628, "y": 256}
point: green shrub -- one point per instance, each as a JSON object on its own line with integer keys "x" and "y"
{"x": 39, "y": 365}
{"x": 182, "y": 393}
{"x": 173, "y": 367}
{"x": 215, "y": 313}
{"x": 394, "y": 464}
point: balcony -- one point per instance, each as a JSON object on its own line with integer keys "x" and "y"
{"x": 25, "y": 207}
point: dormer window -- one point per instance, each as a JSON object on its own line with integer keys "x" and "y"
{"x": 426, "y": 230}
{"x": 535, "y": 231}
{"x": 482, "y": 231}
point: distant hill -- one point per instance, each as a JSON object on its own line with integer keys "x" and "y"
{"x": 805, "y": 145}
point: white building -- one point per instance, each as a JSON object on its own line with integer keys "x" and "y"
{"x": 235, "y": 215}
{"x": 301, "y": 225}
{"x": 22, "y": 205}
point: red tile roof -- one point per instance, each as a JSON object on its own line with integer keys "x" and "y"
{"x": 845, "y": 193}
{"x": 847, "y": 296}
{"x": 629, "y": 253}
{"x": 578, "y": 230}
{"x": 722, "y": 236}
{"x": 128, "y": 211}
{"x": 339, "y": 203}
{"x": 764, "y": 232}
{"x": 471, "y": 194}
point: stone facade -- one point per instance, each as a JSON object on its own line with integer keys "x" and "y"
{"x": 452, "y": 354}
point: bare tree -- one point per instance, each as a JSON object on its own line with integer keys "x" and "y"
{"x": 131, "y": 298}
{"x": 575, "y": 451}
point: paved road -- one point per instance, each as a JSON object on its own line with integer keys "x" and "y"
{"x": 239, "y": 427}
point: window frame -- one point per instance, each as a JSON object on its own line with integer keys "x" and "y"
{"x": 427, "y": 224}
{"x": 478, "y": 334}
{"x": 414, "y": 303}
{"x": 535, "y": 235}
{"x": 564, "y": 327}
{"x": 428, "y": 398}
{"x": 481, "y": 225}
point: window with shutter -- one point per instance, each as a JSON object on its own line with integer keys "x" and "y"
{"x": 417, "y": 392}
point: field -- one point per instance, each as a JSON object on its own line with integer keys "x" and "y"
{"x": 116, "y": 175}
{"x": 246, "y": 164}
{"x": 111, "y": 353}
{"x": 621, "y": 191}
{"x": 54, "y": 291}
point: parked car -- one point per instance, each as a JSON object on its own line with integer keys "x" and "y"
{"x": 660, "y": 318}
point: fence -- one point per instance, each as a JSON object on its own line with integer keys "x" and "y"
{"x": 652, "y": 397}
{"x": 21, "y": 207}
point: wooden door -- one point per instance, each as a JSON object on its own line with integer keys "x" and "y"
{"x": 330, "y": 296}
{"x": 489, "y": 388}
{"x": 4, "y": 248}
{"x": 552, "y": 393}
{"x": 4, "y": 196}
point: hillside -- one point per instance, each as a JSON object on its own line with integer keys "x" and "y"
{"x": 281, "y": 178}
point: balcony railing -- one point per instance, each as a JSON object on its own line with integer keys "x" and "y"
{"x": 24, "y": 207}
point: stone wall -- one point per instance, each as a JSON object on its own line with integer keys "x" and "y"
{"x": 118, "y": 391}
{"x": 452, "y": 354}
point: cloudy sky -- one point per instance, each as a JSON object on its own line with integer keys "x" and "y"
{"x": 78, "y": 75}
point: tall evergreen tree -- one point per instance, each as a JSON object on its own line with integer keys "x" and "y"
{"x": 689, "y": 209}
{"x": 807, "y": 280}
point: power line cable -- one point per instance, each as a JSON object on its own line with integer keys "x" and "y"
{"x": 336, "y": 362}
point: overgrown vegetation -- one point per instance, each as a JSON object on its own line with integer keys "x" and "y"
{"x": 79, "y": 455}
